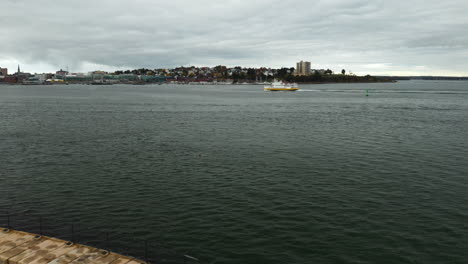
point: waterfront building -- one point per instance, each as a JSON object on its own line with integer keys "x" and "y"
{"x": 61, "y": 73}
{"x": 3, "y": 71}
{"x": 303, "y": 68}
{"x": 99, "y": 72}
{"x": 78, "y": 78}
{"x": 43, "y": 77}
{"x": 10, "y": 79}
{"x": 20, "y": 76}
{"x": 31, "y": 80}
{"x": 36, "y": 78}
{"x": 153, "y": 78}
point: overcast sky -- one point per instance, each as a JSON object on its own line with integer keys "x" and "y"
{"x": 398, "y": 37}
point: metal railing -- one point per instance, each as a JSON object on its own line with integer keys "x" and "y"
{"x": 148, "y": 250}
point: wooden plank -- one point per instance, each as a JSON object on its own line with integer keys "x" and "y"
{"x": 135, "y": 261}
{"x": 14, "y": 239}
{"x": 88, "y": 258}
{"x": 77, "y": 252}
{"x": 2, "y": 233}
{"x": 12, "y": 235}
{"x": 37, "y": 251}
{"x": 121, "y": 260}
{"x": 6, "y": 255}
{"x": 54, "y": 254}
{"x": 24, "y": 248}
{"x": 106, "y": 259}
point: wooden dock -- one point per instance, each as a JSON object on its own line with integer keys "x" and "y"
{"x": 18, "y": 247}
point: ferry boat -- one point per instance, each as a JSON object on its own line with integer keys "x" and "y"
{"x": 281, "y": 86}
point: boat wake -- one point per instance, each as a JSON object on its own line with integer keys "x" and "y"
{"x": 384, "y": 91}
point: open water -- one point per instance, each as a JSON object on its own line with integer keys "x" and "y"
{"x": 233, "y": 174}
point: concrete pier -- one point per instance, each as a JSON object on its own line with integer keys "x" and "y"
{"x": 18, "y": 247}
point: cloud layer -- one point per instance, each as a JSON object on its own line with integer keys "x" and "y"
{"x": 378, "y": 37}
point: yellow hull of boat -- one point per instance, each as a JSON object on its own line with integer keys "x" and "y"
{"x": 281, "y": 89}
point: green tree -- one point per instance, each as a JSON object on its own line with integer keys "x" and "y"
{"x": 251, "y": 73}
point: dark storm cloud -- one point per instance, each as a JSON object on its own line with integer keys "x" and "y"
{"x": 397, "y": 37}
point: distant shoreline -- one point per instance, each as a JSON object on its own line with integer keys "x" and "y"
{"x": 194, "y": 84}
{"x": 237, "y": 84}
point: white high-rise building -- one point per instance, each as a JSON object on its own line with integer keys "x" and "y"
{"x": 303, "y": 68}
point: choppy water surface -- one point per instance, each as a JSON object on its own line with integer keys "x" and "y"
{"x": 233, "y": 174}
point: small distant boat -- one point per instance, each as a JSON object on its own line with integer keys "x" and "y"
{"x": 281, "y": 86}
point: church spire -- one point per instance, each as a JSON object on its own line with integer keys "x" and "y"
{"x": 19, "y": 69}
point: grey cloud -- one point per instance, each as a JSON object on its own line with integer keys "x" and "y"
{"x": 412, "y": 36}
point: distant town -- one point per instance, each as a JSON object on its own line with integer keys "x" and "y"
{"x": 302, "y": 73}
